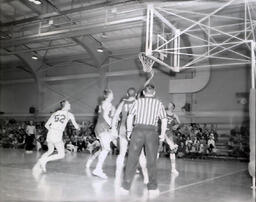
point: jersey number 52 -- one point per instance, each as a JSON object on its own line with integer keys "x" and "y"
{"x": 59, "y": 118}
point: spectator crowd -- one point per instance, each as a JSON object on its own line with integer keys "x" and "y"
{"x": 13, "y": 134}
{"x": 194, "y": 140}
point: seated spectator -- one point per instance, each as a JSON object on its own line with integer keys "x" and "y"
{"x": 80, "y": 144}
{"x": 196, "y": 144}
{"x": 211, "y": 144}
{"x": 181, "y": 150}
{"x": 30, "y": 137}
{"x": 20, "y": 141}
{"x": 70, "y": 147}
{"x": 93, "y": 145}
{"x": 201, "y": 149}
{"x": 188, "y": 144}
{"x": 205, "y": 132}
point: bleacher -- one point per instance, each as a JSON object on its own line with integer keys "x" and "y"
{"x": 228, "y": 145}
{"x": 224, "y": 149}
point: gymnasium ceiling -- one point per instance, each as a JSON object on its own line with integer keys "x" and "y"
{"x": 59, "y": 31}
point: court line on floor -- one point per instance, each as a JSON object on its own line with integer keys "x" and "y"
{"x": 192, "y": 184}
{"x": 202, "y": 181}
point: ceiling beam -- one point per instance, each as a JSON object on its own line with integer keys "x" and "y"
{"x": 58, "y": 60}
{"x": 29, "y": 5}
{"x": 66, "y": 12}
{"x": 37, "y": 49}
{"x": 55, "y": 8}
{"x": 6, "y": 16}
{"x": 75, "y": 32}
{"x": 91, "y": 46}
{"x": 120, "y": 52}
{"x": 108, "y": 3}
{"x": 81, "y": 58}
{"x": 74, "y": 77}
{"x": 69, "y": 45}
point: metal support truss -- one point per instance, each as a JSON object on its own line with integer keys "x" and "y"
{"x": 230, "y": 42}
{"x": 219, "y": 39}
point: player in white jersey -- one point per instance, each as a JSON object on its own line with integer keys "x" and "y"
{"x": 56, "y": 125}
{"x": 122, "y": 110}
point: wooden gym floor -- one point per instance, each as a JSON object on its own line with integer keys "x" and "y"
{"x": 68, "y": 180}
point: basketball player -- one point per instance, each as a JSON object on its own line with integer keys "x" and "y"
{"x": 104, "y": 133}
{"x": 56, "y": 125}
{"x": 123, "y": 109}
{"x": 173, "y": 123}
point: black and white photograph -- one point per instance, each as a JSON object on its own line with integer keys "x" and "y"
{"x": 127, "y": 100}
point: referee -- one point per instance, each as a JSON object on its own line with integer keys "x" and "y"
{"x": 144, "y": 114}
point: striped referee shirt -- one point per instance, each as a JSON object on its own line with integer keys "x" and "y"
{"x": 147, "y": 111}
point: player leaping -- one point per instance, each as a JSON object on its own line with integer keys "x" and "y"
{"x": 56, "y": 125}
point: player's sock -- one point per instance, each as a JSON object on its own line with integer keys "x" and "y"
{"x": 173, "y": 164}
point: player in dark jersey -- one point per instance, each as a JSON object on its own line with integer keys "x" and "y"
{"x": 104, "y": 133}
{"x": 121, "y": 116}
{"x": 173, "y": 123}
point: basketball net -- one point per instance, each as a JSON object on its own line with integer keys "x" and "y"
{"x": 147, "y": 64}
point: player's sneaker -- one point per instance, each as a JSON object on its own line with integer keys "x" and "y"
{"x": 100, "y": 173}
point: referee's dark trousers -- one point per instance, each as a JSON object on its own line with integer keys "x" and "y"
{"x": 147, "y": 136}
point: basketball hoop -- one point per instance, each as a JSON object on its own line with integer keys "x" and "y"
{"x": 147, "y": 64}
